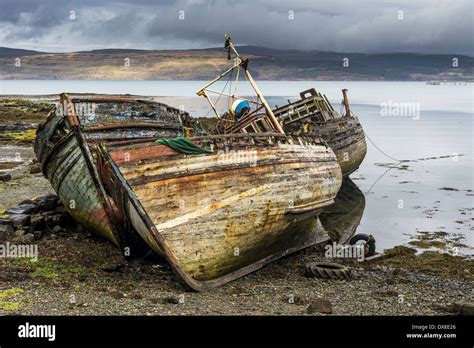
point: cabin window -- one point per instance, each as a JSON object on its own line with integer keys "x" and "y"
{"x": 261, "y": 125}
{"x": 319, "y": 117}
{"x": 249, "y": 129}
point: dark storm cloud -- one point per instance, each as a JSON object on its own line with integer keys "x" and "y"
{"x": 432, "y": 26}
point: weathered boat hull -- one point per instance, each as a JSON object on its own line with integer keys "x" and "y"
{"x": 57, "y": 149}
{"x": 313, "y": 115}
{"x": 349, "y": 145}
{"x": 66, "y": 143}
{"x": 219, "y": 216}
{"x": 346, "y": 138}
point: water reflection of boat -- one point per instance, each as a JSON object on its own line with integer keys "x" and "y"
{"x": 341, "y": 219}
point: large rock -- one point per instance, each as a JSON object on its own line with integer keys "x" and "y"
{"x": 6, "y": 231}
{"x": 62, "y": 219}
{"x": 28, "y": 238}
{"x": 5, "y": 177}
{"x": 20, "y": 219}
{"x": 320, "y": 305}
{"x": 22, "y": 209}
{"x": 47, "y": 203}
{"x": 6, "y": 221}
{"x": 37, "y": 223}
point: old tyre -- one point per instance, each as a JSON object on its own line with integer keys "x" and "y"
{"x": 327, "y": 270}
{"x": 368, "y": 241}
{"x": 464, "y": 308}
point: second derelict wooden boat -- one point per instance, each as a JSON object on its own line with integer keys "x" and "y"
{"x": 313, "y": 115}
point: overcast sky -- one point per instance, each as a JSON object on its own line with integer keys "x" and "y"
{"x": 367, "y": 26}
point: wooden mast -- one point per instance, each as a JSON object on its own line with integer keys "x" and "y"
{"x": 244, "y": 63}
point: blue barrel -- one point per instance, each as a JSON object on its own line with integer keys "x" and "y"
{"x": 239, "y": 107}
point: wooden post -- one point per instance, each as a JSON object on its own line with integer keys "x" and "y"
{"x": 345, "y": 101}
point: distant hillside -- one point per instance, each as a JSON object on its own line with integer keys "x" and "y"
{"x": 265, "y": 64}
{"x": 16, "y": 52}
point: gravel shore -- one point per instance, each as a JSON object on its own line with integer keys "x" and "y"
{"x": 78, "y": 274}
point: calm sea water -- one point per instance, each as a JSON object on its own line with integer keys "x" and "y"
{"x": 434, "y": 121}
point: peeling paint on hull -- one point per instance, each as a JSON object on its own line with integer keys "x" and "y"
{"x": 216, "y": 219}
{"x": 65, "y": 167}
{"x": 344, "y": 135}
{"x": 64, "y": 153}
{"x": 313, "y": 115}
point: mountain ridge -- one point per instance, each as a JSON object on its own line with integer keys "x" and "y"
{"x": 265, "y": 63}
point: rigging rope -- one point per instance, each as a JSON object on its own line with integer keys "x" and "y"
{"x": 220, "y": 95}
{"x": 381, "y": 151}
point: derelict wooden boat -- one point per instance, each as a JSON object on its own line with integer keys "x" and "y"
{"x": 66, "y": 143}
{"x": 242, "y": 201}
{"x": 313, "y": 115}
{"x": 215, "y": 214}
{"x": 218, "y": 216}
